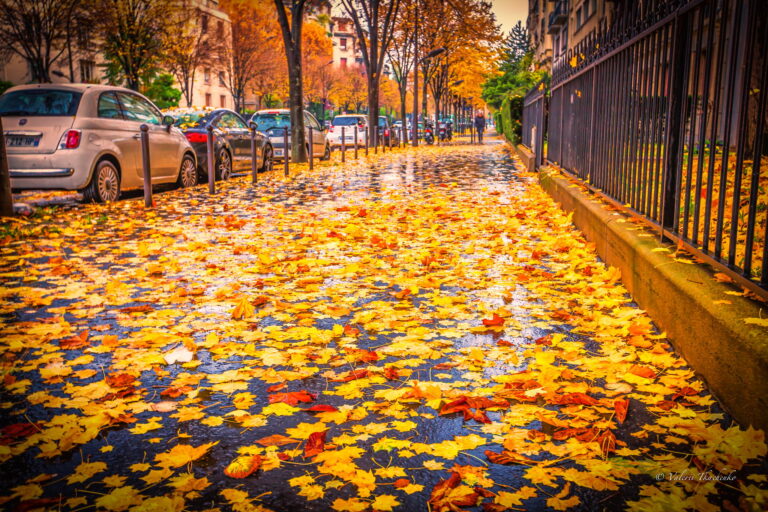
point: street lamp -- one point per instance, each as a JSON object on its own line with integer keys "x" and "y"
{"x": 415, "y": 121}
{"x": 456, "y": 103}
{"x": 325, "y": 100}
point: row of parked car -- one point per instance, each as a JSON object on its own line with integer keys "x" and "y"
{"x": 87, "y": 137}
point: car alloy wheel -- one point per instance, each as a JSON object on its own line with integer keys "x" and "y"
{"x": 107, "y": 183}
{"x": 188, "y": 172}
{"x": 224, "y": 169}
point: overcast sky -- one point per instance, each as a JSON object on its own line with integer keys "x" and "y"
{"x": 508, "y": 12}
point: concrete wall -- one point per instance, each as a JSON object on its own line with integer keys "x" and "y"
{"x": 683, "y": 300}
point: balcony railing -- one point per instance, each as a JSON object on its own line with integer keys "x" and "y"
{"x": 558, "y": 18}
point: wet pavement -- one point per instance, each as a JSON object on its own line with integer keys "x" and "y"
{"x": 351, "y": 338}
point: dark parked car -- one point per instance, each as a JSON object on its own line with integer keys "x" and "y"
{"x": 232, "y": 139}
{"x": 273, "y": 122}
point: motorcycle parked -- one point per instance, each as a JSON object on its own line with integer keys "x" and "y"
{"x": 442, "y": 132}
{"x": 429, "y": 136}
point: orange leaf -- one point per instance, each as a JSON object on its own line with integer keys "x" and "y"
{"x": 276, "y": 440}
{"x": 292, "y": 397}
{"x": 575, "y": 399}
{"x": 607, "y": 442}
{"x": 137, "y": 309}
{"x": 504, "y": 343}
{"x": 243, "y": 466}
{"x": 621, "y": 407}
{"x": 642, "y": 371}
{"x": 350, "y": 376}
{"x": 74, "y": 342}
{"x": 508, "y": 458}
{"x": 493, "y": 322}
{"x": 321, "y": 408}
{"x": 390, "y": 372}
{"x": 277, "y": 387}
{"x": 315, "y": 444}
{"x": 120, "y": 380}
{"x": 402, "y": 482}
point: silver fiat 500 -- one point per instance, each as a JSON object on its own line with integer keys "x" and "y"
{"x": 87, "y": 137}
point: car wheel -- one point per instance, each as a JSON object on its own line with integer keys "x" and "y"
{"x": 187, "y": 173}
{"x": 268, "y": 154}
{"x": 223, "y": 165}
{"x": 327, "y": 154}
{"x": 105, "y": 184}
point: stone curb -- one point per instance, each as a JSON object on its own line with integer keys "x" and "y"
{"x": 527, "y": 157}
{"x": 729, "y": 354}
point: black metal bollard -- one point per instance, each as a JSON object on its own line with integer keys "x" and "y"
{"x": 254, "y": 169}
{"x": 376, "y": 141}
{"x": 146, "y": 166}
{"x": 356, "y": 130}
{"x": 311, "y": 150}
{"x": 211, "y": 161}
{"x": 286, "y": 150}
{"x": 366, "y": 141}
{"x": 343, "y": 146}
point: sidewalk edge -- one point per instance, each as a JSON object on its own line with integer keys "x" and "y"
{"x": 729, "y": 354}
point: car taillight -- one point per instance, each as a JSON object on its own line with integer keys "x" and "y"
{"x": 196, "y": 137}
{"x": 331, "y": 129}
{"x": 70, "y": 140}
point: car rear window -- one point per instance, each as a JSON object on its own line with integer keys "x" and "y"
{"x": 265, "y": 122}
{"x": 39, "y": 102}
{"x": 191, "y": 119}
{"x": 345, "y": 121}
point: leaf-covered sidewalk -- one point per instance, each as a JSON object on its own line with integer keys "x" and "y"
{"x": 418, "y": 331}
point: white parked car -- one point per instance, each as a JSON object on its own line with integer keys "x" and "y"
{"x": 87, "y": 137}
{"x": 350, "y": 122}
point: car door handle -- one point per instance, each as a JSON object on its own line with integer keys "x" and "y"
{"x": 137, "y": 136}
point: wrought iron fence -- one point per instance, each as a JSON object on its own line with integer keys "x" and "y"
{"x": 534, "y": 119}
{"x": 665, "y": 113}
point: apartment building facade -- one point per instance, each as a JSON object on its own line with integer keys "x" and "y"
{"x": 346, "y": 46}
{"x": 82, "y": 62}
{"x": 555, "y": 27}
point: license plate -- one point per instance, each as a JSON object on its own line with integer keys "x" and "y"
{"x": 19, "y": 141}
{"x": 278, "y": 152}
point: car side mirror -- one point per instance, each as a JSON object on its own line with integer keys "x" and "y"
{"x": 168, "y": 122}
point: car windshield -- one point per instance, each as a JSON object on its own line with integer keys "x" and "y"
{"x": 346, "y": 121}
{"x": 39, "y": 102}
{"x": 265, "y": 122}
{"x": 191, "y": 119}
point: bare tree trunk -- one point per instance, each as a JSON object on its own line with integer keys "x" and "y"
{"x": 373, "y": 108}
{"x": 6, "y": 198}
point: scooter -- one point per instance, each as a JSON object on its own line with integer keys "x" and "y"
{"x": 429, "y": 136}
{"x": 442, "y": 132}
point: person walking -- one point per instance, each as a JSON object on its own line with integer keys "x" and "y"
{"x": 480, "y": 126}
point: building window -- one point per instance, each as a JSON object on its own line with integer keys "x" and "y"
{"x": 207, "y": 75}
{"x": 343, "y": 43}
{"x": 83, "y": 37}
{"x": 222, "y": 82}
{"x": 207, "y": 99}
{"x": 220, "y": 28}
{"x": 343, "y": 63}
{"x": 543, "y": 29}
{"x": 579, "y": 19}
{"x": 87, "y": 71}
{"x": 223, "y": 101}
{"x": 204, "y": 23}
